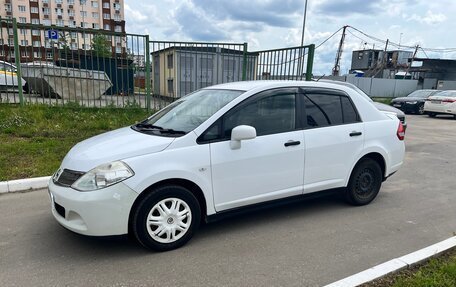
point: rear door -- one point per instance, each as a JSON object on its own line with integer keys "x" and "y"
{"x": 334, "y": 138}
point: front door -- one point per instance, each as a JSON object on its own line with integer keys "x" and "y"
{"x": 271, "y": 166}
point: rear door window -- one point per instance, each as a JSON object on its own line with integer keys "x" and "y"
{"x": 322, "y": 110}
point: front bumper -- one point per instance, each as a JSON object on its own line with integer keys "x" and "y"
{"x": 407, "y": 107}
{"x": 102, "y": 212}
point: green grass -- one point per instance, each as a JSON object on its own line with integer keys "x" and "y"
{"x": 35, "y": 138}
{"x": 383, "y": 100}
{"x": 439, "y": 272}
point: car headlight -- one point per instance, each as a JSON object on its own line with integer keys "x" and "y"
{"x": 412, "y": 103}
{"x": 103, "y": 176}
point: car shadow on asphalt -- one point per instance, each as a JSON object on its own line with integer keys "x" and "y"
{"x": 68, "y": 243}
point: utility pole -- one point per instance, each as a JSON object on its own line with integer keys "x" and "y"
{"x": 385, "y": 54}
{"x": 411, "y": 60}
{"x": 380, "y": 66}
{"x": 336, "y": 69}
{"x": 304, "y": 23}
{"x": 301, "y": 54}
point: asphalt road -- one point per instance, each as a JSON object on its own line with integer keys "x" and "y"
{"x": 309, "y": 243}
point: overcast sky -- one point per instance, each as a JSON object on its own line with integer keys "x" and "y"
{"x": 266, "y": 24}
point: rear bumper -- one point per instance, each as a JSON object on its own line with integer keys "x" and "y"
{"x": 103, "y": 212}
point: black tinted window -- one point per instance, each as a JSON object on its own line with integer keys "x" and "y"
{"x": 349, "y": 111}
{"x": 323, "y": 110}
{"x": 269, "y": 115}
{"x": 328, "y": 110}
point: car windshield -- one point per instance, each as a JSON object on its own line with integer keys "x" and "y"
{"x": 450, "y": 94}
{"x": 187, "y": 113}
{"x": 421, "y": 94}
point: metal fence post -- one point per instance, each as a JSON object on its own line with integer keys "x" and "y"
{"x": 148, "y": 74}
{"x": 17, "y": 55}
{"x": 310, "y": 59}
{"x": 244, "y": 63}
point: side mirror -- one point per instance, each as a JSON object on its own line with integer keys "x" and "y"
{"x": 241, "y": 133}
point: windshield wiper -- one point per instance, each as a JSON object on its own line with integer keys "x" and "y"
{"x": 171, "y": 131}
{"x": 151, "y": 127}
{"x": 148, "y": 126}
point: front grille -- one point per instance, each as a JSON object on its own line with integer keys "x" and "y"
{"x": 60, "y": 209}
{"x": 68, "y": 177}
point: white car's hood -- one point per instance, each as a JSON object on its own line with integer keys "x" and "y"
{"x": 111, "y": 146}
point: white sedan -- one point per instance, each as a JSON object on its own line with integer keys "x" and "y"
{"x": 221, "y": 150}
{"x": 442, "y": 103}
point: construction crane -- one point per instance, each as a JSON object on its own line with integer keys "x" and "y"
{"x": 336, "y": 69}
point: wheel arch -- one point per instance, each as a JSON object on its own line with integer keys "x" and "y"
{"x": 376, "y": 156}
{"x": 189, "y": 185}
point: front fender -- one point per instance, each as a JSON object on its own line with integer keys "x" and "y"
{"x": 189, "y": 163}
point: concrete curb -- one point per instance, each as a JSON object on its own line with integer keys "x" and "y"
{"x": 396, "y": 264}
{"x": 24, "y": 184}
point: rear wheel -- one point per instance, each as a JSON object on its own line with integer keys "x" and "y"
{"x": 420, "y": 109}
{"x": 365, "y": 182}
{"x": 432, "y": 115}
{"x": 166, "y": 219}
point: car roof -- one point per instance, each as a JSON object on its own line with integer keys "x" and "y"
{"x": 268, "y": 84}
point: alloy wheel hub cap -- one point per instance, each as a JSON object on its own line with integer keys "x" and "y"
{"x": 169, "y": 220}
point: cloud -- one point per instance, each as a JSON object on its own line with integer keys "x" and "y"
{"x": 268, "y": 24}
{"x": 348, "y": 7}
{"x": 430, "y": 18}
{"x": 272, "y": 13}
{"x": 135, "y": 15}
{"x": 194, "y": 23}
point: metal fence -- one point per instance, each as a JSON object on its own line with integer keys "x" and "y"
{"x": 61, "y": 65}
{"x": 97, "y": 68}
{"x": 293, "y": 63}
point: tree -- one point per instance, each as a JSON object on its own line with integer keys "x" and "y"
{"x": 101, "y": 46}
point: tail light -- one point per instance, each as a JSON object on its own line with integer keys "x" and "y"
{"x": 449, "y": 101}
{"x": 400, "y": 132}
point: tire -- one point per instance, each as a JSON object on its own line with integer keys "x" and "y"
{"x": 365, "y": 182}
{"x": 420, "y": 109}
{"x": 432, "y": 115}
{"x": 168, "y": 230}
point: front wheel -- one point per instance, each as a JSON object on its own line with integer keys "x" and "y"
{"x": 420, "y": 109}
{"x": 166, "y": 218}
{"x": 365, "y": 182}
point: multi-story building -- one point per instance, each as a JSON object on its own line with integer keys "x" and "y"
{"x": 102, "y": 15}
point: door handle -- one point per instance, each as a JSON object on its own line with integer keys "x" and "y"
{"x": 355, "y": 134}
{"x": 291, "y": 143}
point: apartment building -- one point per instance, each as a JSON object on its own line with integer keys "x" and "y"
{"x": 102, "y": 15}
